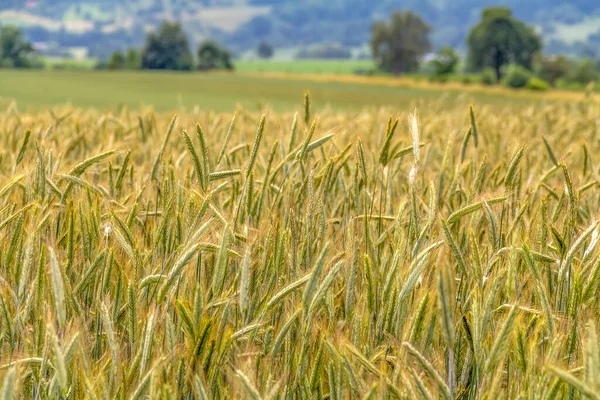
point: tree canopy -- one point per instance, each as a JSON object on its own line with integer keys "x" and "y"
{"x": 14, "y": 49}
{"x": 213, "y": 56}
{"x": 167, "y": 49}
{"x": 117, "y": 60}
{"x": 397, "y": 46}
{"x": 264, "y": 50}
{"x": 445, "y": 62}
{"x": 500, "y": 39}
{"x": 553, "y": 68}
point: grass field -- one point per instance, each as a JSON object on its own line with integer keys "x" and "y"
{"x": 222, "y": 92}
{"x": 69, "y": 63}
{"x": 445, "y": 253}
{"x": 346, "y": 67}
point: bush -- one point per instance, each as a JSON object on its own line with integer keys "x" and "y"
{"x": 564, "y": 83}
{"x": 488, "y": 77}
{"x": 445, "y": 61}
{"x": 516, "y": 77}
{"x": 584, "y": 73}
{"x": 537, "y": 84}
{"x": 466, "y": 79}
{"x": 552, "y": 68}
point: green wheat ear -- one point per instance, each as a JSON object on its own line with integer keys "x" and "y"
{"x": 512, "y": 168}
{"x": 227, "y": 137}
{"x": 163, "y": 146}
{"x": 474, "y": 129}
{"x": 198, "y": 167}
{"x": 255, "y": 146}
{"x": 306, "y": 108}
{"x": 385, "y": 149}
{"x": 361, "y": 160}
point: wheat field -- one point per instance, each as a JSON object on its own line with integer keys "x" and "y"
{"x": 442, "y": 251}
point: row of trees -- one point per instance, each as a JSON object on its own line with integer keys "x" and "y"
{"x": 497, "y": 40}
{"x": 500, "y": 47}
{"x": 549, "y": 70}
{"x": 169, "y": 49}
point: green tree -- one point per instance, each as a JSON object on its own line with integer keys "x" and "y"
{"x": 500, "y": 39}
{"x": 15, "y": 51}
{"x": 167, "y": 49}
{"x": 397, "y": 46}
{"x": 264, "y": 50}
{"x": 445, "y": 61}
{"x": 132, "y": 59}
{"x": 213, "y": 56}
{"x": 585, "y": 72}
{"x": 553, "y": 68}
{"x": 117, "y": 60}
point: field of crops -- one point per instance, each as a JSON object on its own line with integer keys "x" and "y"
{"x": 440, "y": 252}
{"x": 164, "y": 91}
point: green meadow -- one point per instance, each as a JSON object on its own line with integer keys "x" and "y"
{"x": 34, "y": 90}
{"x": 345, "y": 67}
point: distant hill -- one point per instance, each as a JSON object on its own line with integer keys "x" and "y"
{"x": 571, "y": 26}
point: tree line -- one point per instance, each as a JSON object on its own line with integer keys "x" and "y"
{"x": 169, "y": 49}
{"x": 500, "y": 47}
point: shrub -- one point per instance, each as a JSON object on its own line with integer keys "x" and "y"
{"x": 445, "y": 61}
{"x": 488, "y": 77}
{"x": 564, "y": 83}
{"x": 516, "y": 77}
{"x": 466, "y": 79}
{"x": 551, "y": 69}
{"x": 584, "y": 73}
{"x": 537, "y": 84}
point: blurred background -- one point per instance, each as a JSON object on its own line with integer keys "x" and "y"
{"x": 531, "y": 44}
